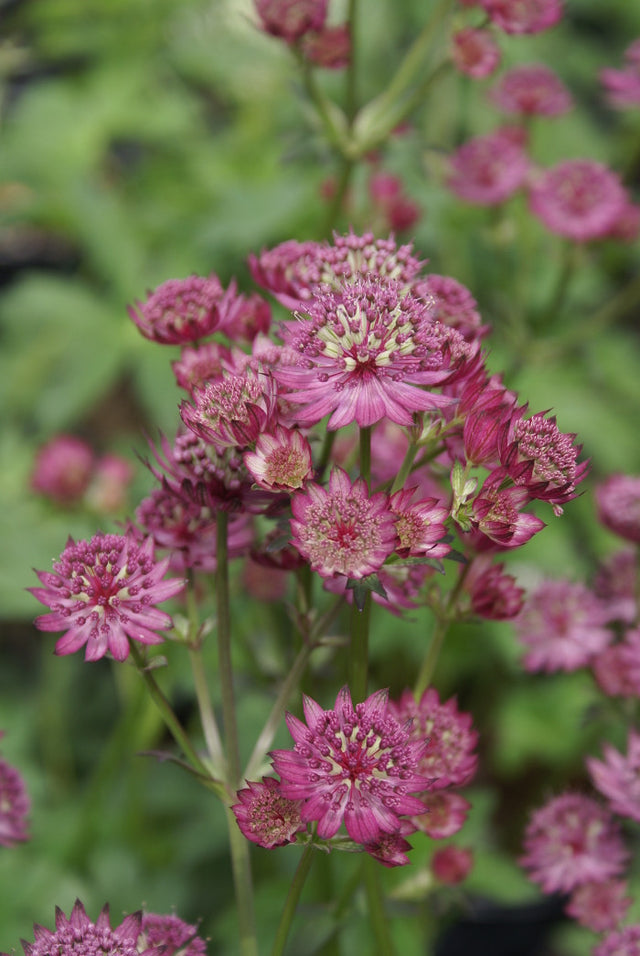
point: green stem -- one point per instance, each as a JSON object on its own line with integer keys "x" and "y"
{"x": 351, "y": 99}
{"x": 365, "y": 454}
{"x": 292, "y": 901}
{"x": 243, "y": 886}
{"x": 268, "y": 732}
{"x": 443, "y": 620}
{"x": 359, "y": 649}
{"x": 224, "y": 650}
{"x": 570, "y": 258}
{"x": 207, "y": 716}
{"x": 405, "y": 469}
{"x": 377, "y": 911}
{"x": 335, "y": 207}
{"x": 416, "y": 55}
{"x": 325, "y": 454}
{"x": 173, "y": 724}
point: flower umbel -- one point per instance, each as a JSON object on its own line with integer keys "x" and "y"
{"x": 265, "y": 816}
{"x": 102, "y": 592}
{"x": 356, "y": 764}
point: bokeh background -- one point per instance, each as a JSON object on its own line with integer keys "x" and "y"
{"x": 147, "y": 139}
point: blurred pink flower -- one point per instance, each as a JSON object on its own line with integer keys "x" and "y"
{"x": 291, "y": 19}
{"x": 623, "y": 86}
{"x": 489, "y": 169}
{"x": 618, "y": 501}
{"x": 474, "y": 52}
{"x": 232, "y": 411}
{"x": 110, "y": 482}
{"x": 617, "y": 668}
{"x": 352, "y": 763}
{"x": 452, "y": 304}
{"x": 578, "y": 199}
{"x": 444, "y": 814}
{"x": 452, "y": 864}
{"x": 171, "y": 934}
{"x": 180, "y": 310}
{"x": 563, "y": 626}
{"x": 571, "y": 841}
{"x": 329, "y": 48}
{"x": 62, "y": 469}
{"x": 14, "y": 805}
{"x": 624, "y": 942}
{"x": 599, "y": 906}
{"x": 103, "y": 593}
{"x": 531, "y": 90}
{"x": 523, "y": 16}
{"x": 617, "y": 777}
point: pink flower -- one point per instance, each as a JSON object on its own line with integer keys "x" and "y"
{"x": 571, "y": 841}
{"x": 618, "y": 501}
{"x": 452, "y": 864}
{"x": 281, "y": 461}
{"x": 62, "y": 469}
{"x": 624, "y": 942}
{"x": 474, "y": 52}
{"x": 180, "y": 310}
{"x": 599, "y": 906}
{"x": 107, "y": 492}
{"x": 202, "y": 363}
{"x": 487, "y": 170}
{"x": 232, "y": 411}
{"x": 452, "y": 304}
{"x": 387, "y": 196}
{"x": 343, "y": 530}
{"x": 77, "y": 935}
{"x": 563, "y": 626}
{"x": 497, "y": 513}
{"x": 355, "y": 764}
{"x": 173, "y": 935}
{"x": 531, "y": 90}
{"x": 103, "y": 593}
{"x": 244, "y": 317}
{"x": 265, "y": 816}
{"x": 420, "y": 525}
{"x": 579, "y": 199}
{"x": 390, "y": 849}
{"x": 484, "y": 418}
{"x": 291, "y": 19}
{"x": 14, "y": 805}
{"x": 448, "y": 760}
{"x": 494, "y": 594}
{"x": 366, "y": 353}
{"x": 289, "y": 271}
{"x": 623, "y": 86}
{"x": 541, "y": 458}
{"x": 615, "y": 585}
{"x": 329, "y": 48}
{"x": 617, "y": 668}
{"x": 523, "y": 16}
{"x": 444, "y": 814}
{"x": 617, "y": 777}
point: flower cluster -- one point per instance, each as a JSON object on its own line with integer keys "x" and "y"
{"x": 68, "y": 472}
{"x": 14, "y": 805}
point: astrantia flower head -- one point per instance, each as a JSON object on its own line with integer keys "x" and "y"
{"x": 103, "y": 593}
{"x": 579, "y": 199}
{"x": 14, "y": 805}
{"x": 291, "y": 19}
{"x": 624, "y": 942}
{"x": 531, "y": 90}
{"x": 563, "y": 626}
{"x": 523, "y": 16}
{"x": 623, "y": 86}
{"x": 474, "y": 52}
{"x": 355, "y": 764}
{"x": 171, "y": 934}
{"x": 77, "y": 935}
{"x": 570, "y": 841}
{"x": 62, "y": 469}
{"x": 281, "y": 461}
{"x": 537, "y": 455}
{"x": 451, "y": 303}
{"x": 599, "y": 906}
{"x": 444, "y": 814}
{"x": 419, "y": 524}
{"x": 232, "y": 411}
{"x": 448, "y": 759}
{"x": 329, "y": 48}
{"x": 452, "y": 864}
{"x": 498, "y": 514}
{"x": 494, "y": 594}
{"x": 618, "y": 500}
{"x": 488, "y": 169}
{"x": 202, "y": 363}
{"x": 289, "y": 271}
{"x": 617, "y": 777}
{"x": 366, "y": 353}
{"x": 342, "y": 529}
{"x": 614, "y": 584}
{"x": 265, "y": 816}
{"x": 617, "y": 668}
{"x": 180, "y": 310}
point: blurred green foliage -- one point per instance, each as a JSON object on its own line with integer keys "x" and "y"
{"x": 145, "y": 140}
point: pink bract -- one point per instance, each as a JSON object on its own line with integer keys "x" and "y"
{"x": 563, "y": 626}
{"x": 578, "y": 199}
{"x": 494, "y": 594}
{"x": 281, "y": 460}
{"x": 420, "y": 525}
{"x": 354, "y": 764}
{"x": 571, "y": 841}
{"x": 103, "y": 593}
{"x": 489, "y": 169}
{"x": 617, "y": 777}
{"x": 369, "y": 352}
{"x": 342, "y": 529}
